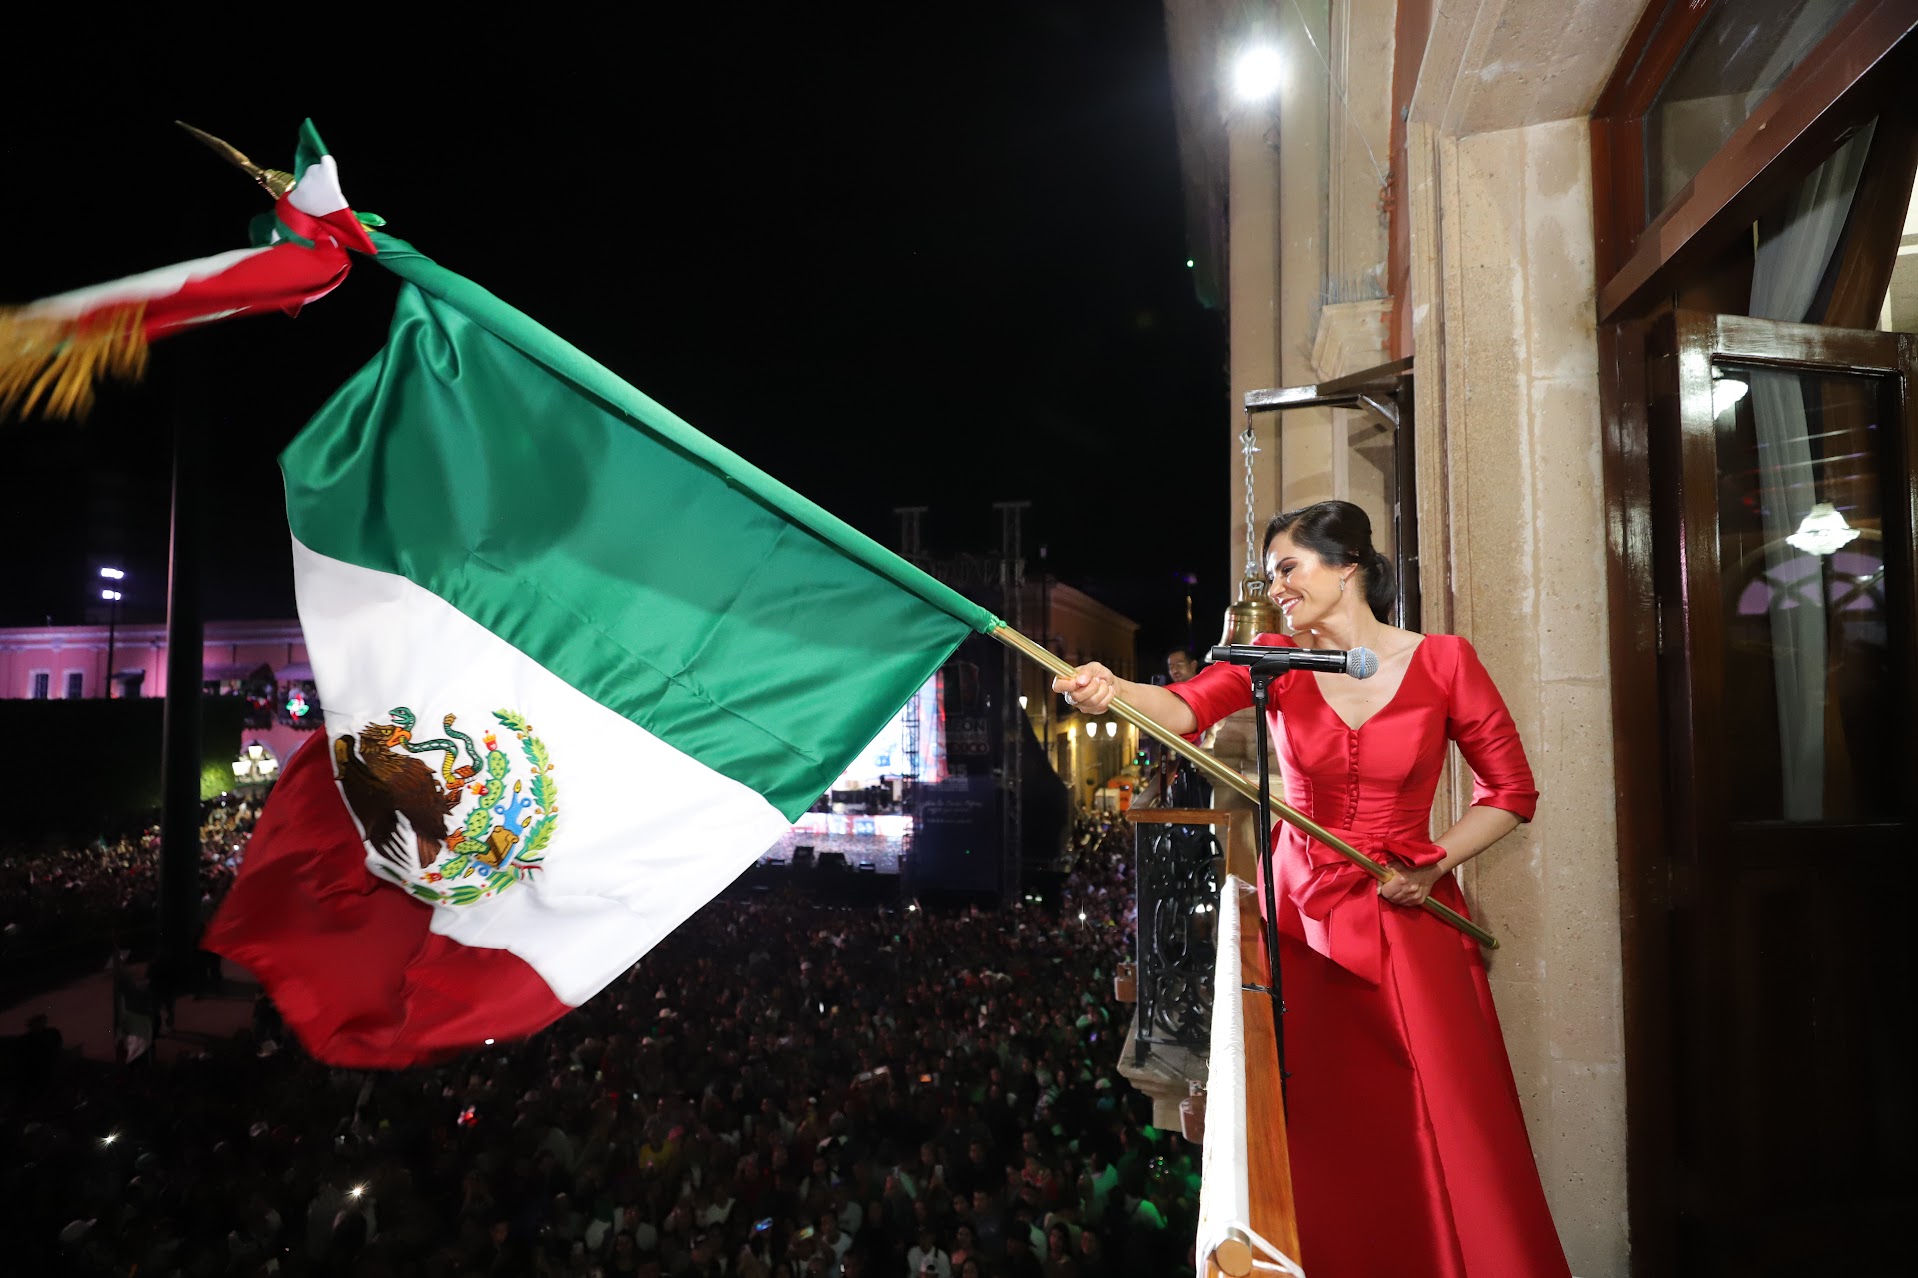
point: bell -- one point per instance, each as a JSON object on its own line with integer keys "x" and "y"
{"x": 1252, "y": 615}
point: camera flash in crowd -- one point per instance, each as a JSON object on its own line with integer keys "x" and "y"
{"x": 108, "y": 1139}
{"x": 358, "y": 1191}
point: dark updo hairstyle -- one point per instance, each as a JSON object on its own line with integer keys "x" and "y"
{"x": 1340, "y": 533}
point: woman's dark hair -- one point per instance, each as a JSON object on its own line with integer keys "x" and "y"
{"x": 1340, "y": 533}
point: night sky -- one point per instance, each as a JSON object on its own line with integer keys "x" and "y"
{"x": 891, "y": 261}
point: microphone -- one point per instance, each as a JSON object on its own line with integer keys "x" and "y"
{"x": 1360, "y": 663}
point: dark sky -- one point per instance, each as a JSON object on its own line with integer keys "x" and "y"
{"x": 891, "y": 260}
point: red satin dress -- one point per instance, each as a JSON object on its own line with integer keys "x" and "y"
{"x": 1410, "y": 1157}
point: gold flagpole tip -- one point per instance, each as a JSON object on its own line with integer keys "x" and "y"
{"x": 276, "y": 182}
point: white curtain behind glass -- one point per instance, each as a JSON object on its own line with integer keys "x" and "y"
{"x": 1795, "y": 248}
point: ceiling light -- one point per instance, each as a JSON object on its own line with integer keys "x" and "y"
{"x": 1823, "y": 530}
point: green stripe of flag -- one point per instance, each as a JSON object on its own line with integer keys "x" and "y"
{"x": 568, "y": 361}
{"x": 494, "y": 465}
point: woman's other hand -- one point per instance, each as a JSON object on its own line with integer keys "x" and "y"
{"x": 1089, "y": 689}
{"x": 1410, "y": 886}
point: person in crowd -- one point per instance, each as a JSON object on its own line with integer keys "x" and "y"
{"x": 1383, "y": 998}
{"x": 1061, "y": 1260}
{"x": 926, "y": 1258}
{"x": 965, "y": 1243}
{"x": 1092, "y": 1257}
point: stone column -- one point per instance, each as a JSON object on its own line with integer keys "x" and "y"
{"x": 1527, "y": 571}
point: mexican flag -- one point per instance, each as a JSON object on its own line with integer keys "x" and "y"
{"x": 579, "y": 667}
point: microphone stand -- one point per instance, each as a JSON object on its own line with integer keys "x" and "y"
{"x": 1263, "y": 672}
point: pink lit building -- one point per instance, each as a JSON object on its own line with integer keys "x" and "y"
{"x": 262, "y": 659}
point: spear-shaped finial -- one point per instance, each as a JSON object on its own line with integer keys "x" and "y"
{"x": 277, "y": 183}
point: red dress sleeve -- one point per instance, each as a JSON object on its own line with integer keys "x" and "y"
{"x": 1222, "y": 688}
{"x": 1476, "y": 718}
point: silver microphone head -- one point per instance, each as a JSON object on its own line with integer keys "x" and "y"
{"x": 1361, "y": 663}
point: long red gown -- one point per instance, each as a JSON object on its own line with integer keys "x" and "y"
{"x": 1409, "y": 1152}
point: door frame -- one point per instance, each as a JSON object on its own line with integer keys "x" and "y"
{"x": 1858, "y": 71}
{"x": 1650, "y": 631}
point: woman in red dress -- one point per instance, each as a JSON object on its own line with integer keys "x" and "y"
{"x": 1409, "y": 1152}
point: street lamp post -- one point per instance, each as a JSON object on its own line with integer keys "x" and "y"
{"x": 112, "y": 598}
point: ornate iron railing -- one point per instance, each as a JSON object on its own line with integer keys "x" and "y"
{"x": 1178, "y": 893}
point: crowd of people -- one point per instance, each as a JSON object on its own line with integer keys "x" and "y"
{"x": 783, "y": 1088}
{"x": 52, "y": 896}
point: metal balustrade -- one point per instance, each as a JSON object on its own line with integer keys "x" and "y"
{"x": 1178, "y": 875}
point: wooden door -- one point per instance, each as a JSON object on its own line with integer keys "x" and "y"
{"x": 1782, "y": 502}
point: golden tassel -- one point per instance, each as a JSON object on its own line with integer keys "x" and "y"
{"x": 53, "y": 363}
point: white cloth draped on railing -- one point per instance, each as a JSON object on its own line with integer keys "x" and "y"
{"x": 1225, "y": 1192}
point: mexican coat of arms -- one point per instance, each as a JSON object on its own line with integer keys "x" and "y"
{"x": 460, "y": 832}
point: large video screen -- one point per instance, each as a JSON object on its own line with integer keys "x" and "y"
{"x": 857, "y": 818}
{"x": 888, "y": 757}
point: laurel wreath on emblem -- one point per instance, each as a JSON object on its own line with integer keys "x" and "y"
{"x": 405, "y": 807}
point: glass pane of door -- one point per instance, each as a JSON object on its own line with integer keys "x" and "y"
{"x": 1812, "y": 731}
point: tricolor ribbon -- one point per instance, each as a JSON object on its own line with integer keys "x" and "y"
{"x": 53, "y": 351}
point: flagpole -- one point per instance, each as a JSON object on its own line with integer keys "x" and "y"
{"x": 1231, "y": 780}
{"x": 180, "y": 748}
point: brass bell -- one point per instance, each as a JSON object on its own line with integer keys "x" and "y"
{"x": 1252, "y": 615}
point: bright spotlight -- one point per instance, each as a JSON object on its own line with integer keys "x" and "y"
{"x": 489, "y": 1042}
{"x": 1257, "y": 74}
{"x": 358, "y": 1191}
{"x": 112, "y": 574}
{"x": 111, "y": 596}
{"x": 1082, "y": 916}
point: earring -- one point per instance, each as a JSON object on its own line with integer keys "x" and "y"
{"x": 1341, "y": 585}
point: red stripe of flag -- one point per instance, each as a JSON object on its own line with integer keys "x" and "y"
{"x": 282, "y": 278}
